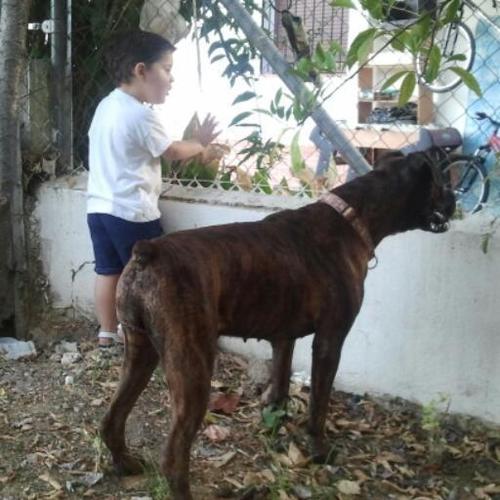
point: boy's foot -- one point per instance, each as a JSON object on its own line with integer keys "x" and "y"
{"x": 109, "y": 339}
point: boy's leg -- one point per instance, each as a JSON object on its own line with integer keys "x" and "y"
{"x": 108, "y": 269}
{"x": 113, "y": 239}
{"x": 105, "y": 304}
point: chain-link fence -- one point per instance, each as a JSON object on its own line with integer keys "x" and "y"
{"x": 66, "y": 57}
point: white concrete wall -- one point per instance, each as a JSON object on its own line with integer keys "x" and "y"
{"x": 429, "y": 325}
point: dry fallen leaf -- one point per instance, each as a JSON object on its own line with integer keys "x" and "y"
{"x": 490, "y": 488}
{"x": 268, "y": 475}
{"x": 251, "y": 478}
{"x": 217, "y": 433}
{"x": 9, "y": 477}
{"x": 226, "y": 403}
{"x": 348, "y": 487}
{"x": 49, "y": 479}
{"x": 295, "y": 455}
{"x": 223, "y": 460}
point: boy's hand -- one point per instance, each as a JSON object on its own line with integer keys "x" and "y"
{"x": 213, "y": 152}
{"x": 206, "y": 133}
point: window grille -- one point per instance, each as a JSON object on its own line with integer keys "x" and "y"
{"x": 322, "y": 24}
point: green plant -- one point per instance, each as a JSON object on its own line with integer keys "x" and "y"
{"x": 272, "y": 418}
{"x": 431, "y": 422}
{"x": 487, "y": 236}
{"x": 156, "y": 482}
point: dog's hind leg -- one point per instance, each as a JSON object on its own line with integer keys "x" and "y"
{"x": 325, "y": 361}
{"x": 188, "y": 366}
{"x": 139, "y": 362}
{"x": 280, "y": 371}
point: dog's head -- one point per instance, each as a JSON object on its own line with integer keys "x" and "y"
{"x": 428, "y": 202}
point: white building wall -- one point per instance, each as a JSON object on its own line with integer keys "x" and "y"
{"x": 429, "y": 324}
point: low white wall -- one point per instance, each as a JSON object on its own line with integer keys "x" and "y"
{"x": 429, "y": 324}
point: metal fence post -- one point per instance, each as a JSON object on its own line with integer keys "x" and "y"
{"x": 62, "y": 80}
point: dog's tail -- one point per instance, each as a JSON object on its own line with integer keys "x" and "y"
{"x": 144, "y": 252}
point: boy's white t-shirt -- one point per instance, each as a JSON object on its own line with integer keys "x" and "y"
{"x": 126, "y": 139}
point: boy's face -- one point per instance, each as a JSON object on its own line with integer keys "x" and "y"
{"x": 156, "y": 80}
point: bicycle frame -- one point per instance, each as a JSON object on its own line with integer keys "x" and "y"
{"x": 493, "y": 144}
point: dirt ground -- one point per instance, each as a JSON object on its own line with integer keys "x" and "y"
{"x": 382, "y": 449}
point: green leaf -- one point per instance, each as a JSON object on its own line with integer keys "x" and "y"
{"x": 261, "y": 180}
{"x": 375, "y": 8}
{"x": 245, "y": 96}
{"x": 407, "y": 88}
{"x": 263, "y": 111}
{"x": 278, "y": 96}
{"x": 217, "y": 58}
{"x": 451, "y": 13}
{"x": 469, "y": 79}
{"x": 225, "y": 181}
{"x": 363, "y": 39}
{"x": 239, "y": 118}
{"x": 271, "y": 417}
{"x": 422, "y": 29}
{"x": 303, "y": 67}
{"x": 456, "y": 57}
{"x": 298, "y": 163}
{"x": 399, "y": 41}
{"x": 364, "y": 50}
{"x": 394, "y": 78}
{"x": 319, "y": 54}
{"x": 433, "y": 64}
{"x": 330, "y": 62}
{"x": 343, "y": 4}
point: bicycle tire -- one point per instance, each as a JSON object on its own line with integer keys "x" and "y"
{"x": 447, "y": 79}
{"x": 468, "y": 178}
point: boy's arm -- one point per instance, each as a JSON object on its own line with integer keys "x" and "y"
{"x": 183, "y": 150}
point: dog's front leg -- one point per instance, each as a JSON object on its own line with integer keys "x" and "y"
{"x": 325, "y": 361}
{"x": 277, "y": 394}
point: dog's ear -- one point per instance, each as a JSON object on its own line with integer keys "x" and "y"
{"x": 387, "y": 160}
{"x": 428, "y": 162}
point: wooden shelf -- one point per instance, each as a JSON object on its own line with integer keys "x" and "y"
{"x": 371, "y": 78}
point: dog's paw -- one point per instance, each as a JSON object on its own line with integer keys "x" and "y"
{"x": 129, "y": 465}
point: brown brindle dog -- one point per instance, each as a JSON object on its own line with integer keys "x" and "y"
{"x": 294, "y": 273}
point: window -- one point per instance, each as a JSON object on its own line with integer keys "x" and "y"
{"x": 322, "y": 24}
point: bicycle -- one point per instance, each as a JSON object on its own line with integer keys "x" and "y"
{"x": 457, "y": 47}
{"x": 455, "y": 40}
{"x": 465, "y": 174}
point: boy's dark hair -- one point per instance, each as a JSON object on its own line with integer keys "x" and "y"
{"x": 127, "y": 49}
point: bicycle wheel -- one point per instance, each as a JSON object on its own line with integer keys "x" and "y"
{"x": 452, "y": 39}
{"x": 469, "y": 180}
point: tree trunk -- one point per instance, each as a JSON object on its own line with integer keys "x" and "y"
{"x": 13, "y": 26}
{"x": 266, "y": 47}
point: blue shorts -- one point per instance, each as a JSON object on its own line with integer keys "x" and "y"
{"x": 113, "y": 239}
